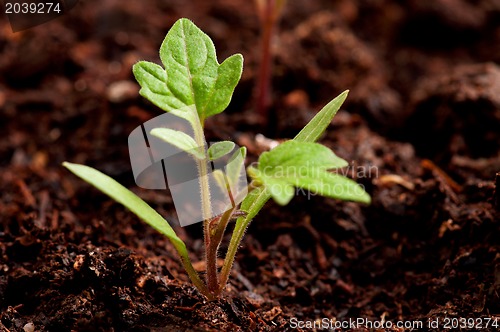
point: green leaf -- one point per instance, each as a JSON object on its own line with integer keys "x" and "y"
{"x": 331, "y": 185}
{"x": 234, "y": 165}
{"x": 192, "y": 75}
{"x": 180, "y": 140}
{"x": 257, "y": 197}
{"x": 317, "y": 126}
{"x": 279, "y": 188}
{"x": 291, "y": 154}
{"x": 128, "y": 199}
{"x": 141, "y": 209}
{"x": 220, "y": 179}
{"x": 220, "y": 149}
{"x": 187, "y": 113}
{"x": 233, "y": 178}
{"x": 304, "y": 165}
{"x": 153, "y": 81}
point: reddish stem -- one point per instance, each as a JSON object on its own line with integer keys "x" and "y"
{"x": 211, "y": 256}
{"x": 263, "y": 94}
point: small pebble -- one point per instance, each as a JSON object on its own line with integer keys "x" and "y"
{"x": 29, "y": 327}
{"x": 121, "y": 91}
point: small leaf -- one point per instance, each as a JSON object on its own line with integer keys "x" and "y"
{"x": 234, "y": 165}
{"x": 192, "y": 75}
{"x": 317, "y": 126}
{"x": 220, "y": 149}
{"x": 153, "y": 81}
{"x": 141, "y": 209}
{"x": 234, "y": 177}
{"x": 332, "y": 185}
{"x": 180, "y": 140}
{"x": 128, "y": 199}
{"x": 257, "y": 197}
{"x": 281, "y": 191}
{"x": 304, "y": 165}
{"x": 279, "y": 188}
{"x": 300, "y": 154}
{"x": 220, "y": 179}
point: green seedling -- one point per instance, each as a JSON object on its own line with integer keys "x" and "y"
{"x": 194, "y": 86}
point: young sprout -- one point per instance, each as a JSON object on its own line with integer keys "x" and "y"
{"x": 193, "y": 86}
{"x": 269, "y": 12}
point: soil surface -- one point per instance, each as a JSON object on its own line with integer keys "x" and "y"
{"x": 423, "y": 116}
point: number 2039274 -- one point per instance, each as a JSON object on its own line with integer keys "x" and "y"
{"x": 32, "y": 8}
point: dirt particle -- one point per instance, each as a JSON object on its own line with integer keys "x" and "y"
{"x": 29, "y": 327}
{"x": 273, "y": 313}
{"x": 121, "y": 91}
{"x": 254, "y": 299}
{"x": 79, "y": 260}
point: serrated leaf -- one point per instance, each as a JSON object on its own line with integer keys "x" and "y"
{"x": 192, "y": 75}
{"x": 153, "y": 81}
{"x": 317, "y": 126}
{"x": 304, "y": 165}
{"x": 220, "y": 149}
{"x": 180, "y": 140}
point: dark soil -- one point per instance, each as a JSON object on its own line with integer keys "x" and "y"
{"x": 424, "y": 109}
